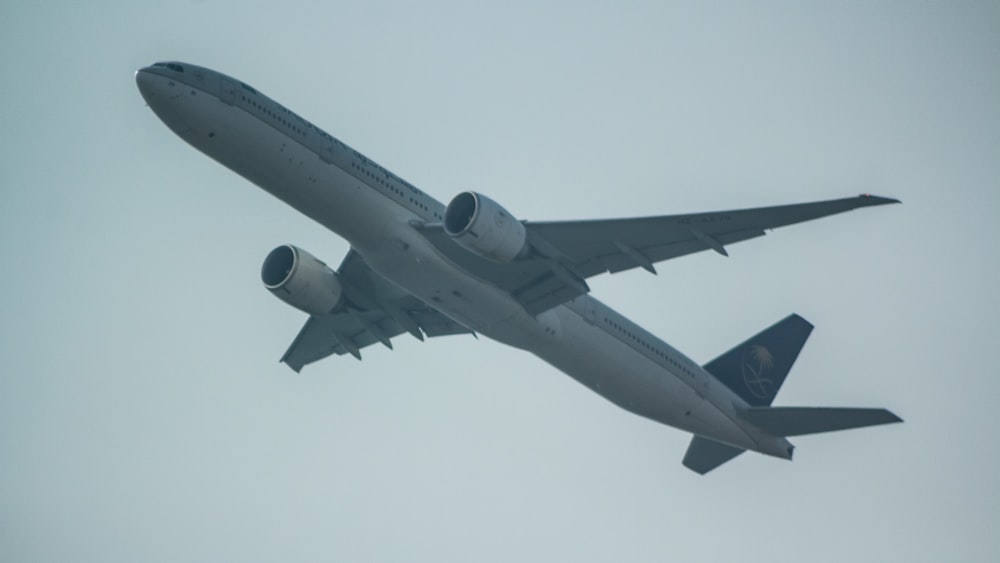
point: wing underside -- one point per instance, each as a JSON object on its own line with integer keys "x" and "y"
{"x": 373, "y": 312}
{"x": 565, "y": 253}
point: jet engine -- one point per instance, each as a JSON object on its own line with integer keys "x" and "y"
{"x": 301, "y": 280}
{"x": 480, "y": 225}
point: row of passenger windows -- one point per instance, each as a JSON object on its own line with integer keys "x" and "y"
{"x": 391, "y": 187}
{"x": 275, "y": 116}
{"x": 641, "y": 342}
{"x": 250, "y": 101}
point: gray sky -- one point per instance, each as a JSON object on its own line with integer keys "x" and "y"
{"x": 144, "y": 415}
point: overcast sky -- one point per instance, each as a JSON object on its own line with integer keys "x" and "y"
{"x": 144, "y": 415}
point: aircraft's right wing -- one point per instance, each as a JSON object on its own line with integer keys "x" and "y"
{"x": 374, "y": 311}
{"x": 613, "y": 245}
{"x": 565, "y": 253}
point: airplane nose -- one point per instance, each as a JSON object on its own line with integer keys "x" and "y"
{"x": 155, "y": 89}
{"x": 144, "y": 80}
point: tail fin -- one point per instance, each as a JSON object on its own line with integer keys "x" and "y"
{"x": 704, "y": 455}
{"x": 755, "y": 369}
{"x": 796, "y": 421}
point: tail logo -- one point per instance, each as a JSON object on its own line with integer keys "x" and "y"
{"x": 757, "y": 362}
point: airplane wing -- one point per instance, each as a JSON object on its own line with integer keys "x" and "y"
{"x": 565, "y": 253}
{"x": 374, "y": 310}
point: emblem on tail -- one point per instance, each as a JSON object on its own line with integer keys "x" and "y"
{"x": 756, "y": 365}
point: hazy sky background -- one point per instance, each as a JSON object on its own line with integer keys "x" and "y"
{"x": 144, "y": 415}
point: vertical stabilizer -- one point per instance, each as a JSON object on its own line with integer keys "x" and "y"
{"x": 755, "y": 369}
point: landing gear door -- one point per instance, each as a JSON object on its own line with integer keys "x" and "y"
{"x": 228, "y": 93}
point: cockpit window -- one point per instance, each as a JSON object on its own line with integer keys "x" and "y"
{"x": 171, "y": 66}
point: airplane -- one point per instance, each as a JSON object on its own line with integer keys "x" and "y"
{"x": 470, "y": 267}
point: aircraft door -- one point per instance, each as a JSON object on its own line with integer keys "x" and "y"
{"x": 228, "y": 91}
{"x": 326, "y": 148}
{"x": 701, "y": 386}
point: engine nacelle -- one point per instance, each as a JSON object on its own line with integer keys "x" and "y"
{"x": 301, "y": 280}
{"x": 481, "y": 226}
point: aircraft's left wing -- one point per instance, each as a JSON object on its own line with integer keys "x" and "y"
{"x": 565, "y": 253}
{"x": 374, "y": 311}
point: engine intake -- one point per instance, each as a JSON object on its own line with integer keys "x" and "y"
{"x": 483, "y": 227}
{"x": 301, "y": 280}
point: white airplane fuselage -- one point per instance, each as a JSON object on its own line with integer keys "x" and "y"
{"x": 375, "y": 212}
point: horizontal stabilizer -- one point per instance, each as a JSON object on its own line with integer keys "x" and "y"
{"x": 704, "y": 455}
{"x": 796, "y": 421}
